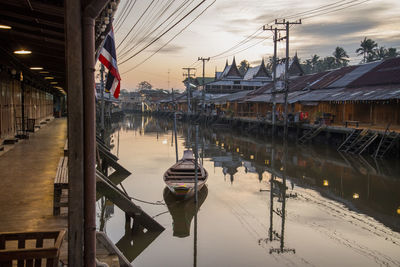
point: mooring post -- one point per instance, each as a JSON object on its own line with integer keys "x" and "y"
{"x": 196, "y": 158}
{"x": 176, "y": 138}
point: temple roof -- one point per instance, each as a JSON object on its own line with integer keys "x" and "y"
{"x": 259, "y": 71}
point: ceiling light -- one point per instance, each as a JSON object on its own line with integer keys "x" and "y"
{"x": 5, "y": 27}
{"x": 44, "y": 72}
{"x": 36, "y": 68}
{"x": 22, "y": 52}
{"x": 53, "y": 82}
{"x": 49, "y": 78}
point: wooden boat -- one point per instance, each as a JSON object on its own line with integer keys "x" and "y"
{"x": 180, "y": 178}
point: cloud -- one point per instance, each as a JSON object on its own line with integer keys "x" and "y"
{"x": 170, "y": 49}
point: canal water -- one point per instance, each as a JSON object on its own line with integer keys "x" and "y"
{"x": 323, "y": 208}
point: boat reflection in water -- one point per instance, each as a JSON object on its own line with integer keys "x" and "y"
{"x": 183, "y": 211}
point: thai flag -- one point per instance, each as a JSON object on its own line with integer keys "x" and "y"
{"x": 108, "y": 58}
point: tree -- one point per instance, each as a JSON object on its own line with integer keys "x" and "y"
{"x": 314, "y": 62}
{"x": 144, "y": 86}
{"x": 340, "y": 56}
{"x": 243, "y": 66}
{"x": 392, "y": 52}
{"x": 366, "y": 49}
{"x": 380, "y": 52}
{"x": 329, "y": 63}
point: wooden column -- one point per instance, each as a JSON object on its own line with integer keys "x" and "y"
{"x": 73, "y": 30}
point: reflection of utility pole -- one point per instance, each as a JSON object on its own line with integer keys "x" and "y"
{"x": 287, "y": 23}
{"x": 188, "y": 75}
{"x": 204, "y": 87}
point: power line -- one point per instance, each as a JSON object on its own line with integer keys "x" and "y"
{"x": 338, "y": 9}
{"x": 146, "y": 24}
{"x": 156, "y": 39}
{"x": 135, "y": 24}
{"x": 309, "y": 13}
{"x": 170, "y": 40}
{"x": 123, "y": 17}
{"x": 135, "y": 45}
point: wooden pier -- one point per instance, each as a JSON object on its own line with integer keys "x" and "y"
{"x": 27, "y": 182}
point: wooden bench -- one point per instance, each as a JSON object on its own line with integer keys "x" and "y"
{"x": 351, "y": 122}
{"x": 30, "y": 248}
{"x": 60, "y": 183}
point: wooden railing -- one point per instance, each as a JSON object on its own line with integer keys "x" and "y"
{"x": 34, "y": 256}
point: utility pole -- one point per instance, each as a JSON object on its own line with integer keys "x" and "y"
{"x": 102, "y": 100}
{"x": 287, "y": 23}
{"x": 204, "y": 87}
{"x": 276, "y": 40}
{"x": 189, "y": 75}
{"x": 168, "y": 79}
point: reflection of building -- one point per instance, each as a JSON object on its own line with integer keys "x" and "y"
{"x": 372, "y": 186}
{"x": 229, "y": 164}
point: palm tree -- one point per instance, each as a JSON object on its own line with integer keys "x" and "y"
{"x": 380, "y": 53}
{"x": 243, "y": 66}
{"x": 314, "y": 62}
{"x": 366, "y": 49}
{"x": 341, "y": 57}
{"x": 392, "y": 52}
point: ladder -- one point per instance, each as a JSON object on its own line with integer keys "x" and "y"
{"x": 310, "y": 134}
{"x": 349, "y": 140}
{"x": 365, "y": 138}
{"x": 387, "y": 141}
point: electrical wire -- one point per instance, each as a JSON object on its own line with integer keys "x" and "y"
{"x": 324, "y": 9}
{"x": 169, "y": 23}
{"x": 143, "y": 26}
{"x": 135, "y": 45}
{"x": 120, "y": 22}
{"x": 135, "y": 24}
{"x": 170, "y": 40}
{"x": 165, "y": 32}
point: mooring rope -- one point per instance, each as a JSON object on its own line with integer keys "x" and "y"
{"x": 159, "y": 202}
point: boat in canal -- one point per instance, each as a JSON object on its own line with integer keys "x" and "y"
{"x": 180, "y": 177}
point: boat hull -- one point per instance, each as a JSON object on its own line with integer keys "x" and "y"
{"x": 180, "y": 177}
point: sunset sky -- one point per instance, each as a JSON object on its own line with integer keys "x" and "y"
{"x": 227, "y": 22}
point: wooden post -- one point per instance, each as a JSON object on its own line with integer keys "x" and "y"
{"x": 73, "y": 30}
{"x": 176, "y": 138}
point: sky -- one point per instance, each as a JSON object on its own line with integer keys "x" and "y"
{"x": 227, "y": 22}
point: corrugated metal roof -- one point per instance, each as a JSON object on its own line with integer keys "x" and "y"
{"x": 302, "y": 82}
{"x": 331, "y": 77}
{"x": 230, "y": 97}
{"x": 279, "y": 97}
{"x": 354, "y": 74}
{"x": 387, "y": 72}
{"x": 371, "y": 93}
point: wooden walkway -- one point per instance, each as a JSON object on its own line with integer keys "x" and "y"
{"x": 27, "y": 181}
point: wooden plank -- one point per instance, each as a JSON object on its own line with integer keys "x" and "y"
{"x": 110, "y": 191}
{"x": 110, "y": 158}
